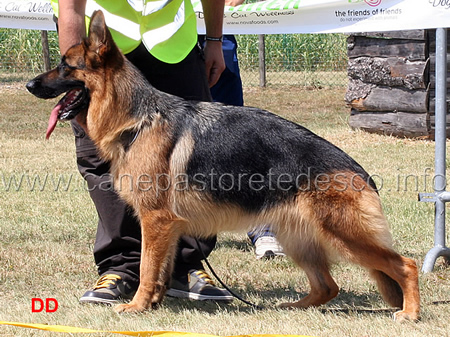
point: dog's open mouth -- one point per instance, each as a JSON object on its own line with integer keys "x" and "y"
{"x": 73, "y": 102}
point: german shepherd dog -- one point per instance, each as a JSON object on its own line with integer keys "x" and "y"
{"x": 199, "y": 168}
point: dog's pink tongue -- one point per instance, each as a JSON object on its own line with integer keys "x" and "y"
{"x": 53, "y": 120}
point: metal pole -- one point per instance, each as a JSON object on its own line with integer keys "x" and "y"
{"x": 439, "y": 248}
{"x": 262, "y": 60}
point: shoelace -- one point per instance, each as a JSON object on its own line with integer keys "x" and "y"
{"x": 106, "y": 280}
{"x": 203, "y": 275}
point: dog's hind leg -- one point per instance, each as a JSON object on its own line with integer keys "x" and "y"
{"x": 160, "y": 233}
{"x": 359, "y": 230}
{"x": 397, "y": 280}
{"x": 396, "y": 276}
{"x": 312, "y": 259}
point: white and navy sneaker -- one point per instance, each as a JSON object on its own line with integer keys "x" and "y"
{"x": 268, "y": 247}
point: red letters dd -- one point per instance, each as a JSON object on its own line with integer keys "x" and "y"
{"x": 38, "y": 304}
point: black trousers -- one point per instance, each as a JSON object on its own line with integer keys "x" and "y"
{"x": 117, "y": 245}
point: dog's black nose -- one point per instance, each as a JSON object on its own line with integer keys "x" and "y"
{"x": 33, "y": 85}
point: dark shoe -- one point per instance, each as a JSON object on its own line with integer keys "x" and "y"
{"x": 199, "y": 286}
{"x": 109, "y": 289}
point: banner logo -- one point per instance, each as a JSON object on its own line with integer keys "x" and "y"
{"x": 373, "y": 3}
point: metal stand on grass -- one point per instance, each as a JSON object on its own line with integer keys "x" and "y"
{"x": 440, "y": 195}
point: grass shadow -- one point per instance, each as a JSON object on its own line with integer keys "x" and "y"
{"x": 230, "y": 243}
{"x": 347, "y": 302}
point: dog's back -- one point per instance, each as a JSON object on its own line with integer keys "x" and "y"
{"x": 259, "y": 158}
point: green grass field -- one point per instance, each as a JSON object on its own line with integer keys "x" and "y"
{"x": 48, "y": 224}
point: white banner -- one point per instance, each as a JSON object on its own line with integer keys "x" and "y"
{"x": 26, "y": 14}
{"x": 334, "y": 16}
{"x": 279, "y": 16}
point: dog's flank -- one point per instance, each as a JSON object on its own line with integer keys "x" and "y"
{"x": 238, "y": 168}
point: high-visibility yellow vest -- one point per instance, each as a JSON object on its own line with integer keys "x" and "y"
{"x": 167, "y": 28}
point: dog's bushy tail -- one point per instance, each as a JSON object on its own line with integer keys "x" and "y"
{"x": 390, "y": 290}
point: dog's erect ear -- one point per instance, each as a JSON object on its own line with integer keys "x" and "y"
{"x": 99, "y": 38}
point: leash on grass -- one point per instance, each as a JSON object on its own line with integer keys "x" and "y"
{"x": 211, "y": 269}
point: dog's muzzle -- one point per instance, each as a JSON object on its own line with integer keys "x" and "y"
{"x": 69, "y": 106}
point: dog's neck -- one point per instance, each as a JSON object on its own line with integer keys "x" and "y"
{"x": 114, "y": 124}
{"x": 128, "y": 137}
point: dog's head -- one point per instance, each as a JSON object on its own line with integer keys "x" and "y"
{"x": 78, "y": 74}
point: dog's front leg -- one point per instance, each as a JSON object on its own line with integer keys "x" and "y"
{"x": 160, "y": 233}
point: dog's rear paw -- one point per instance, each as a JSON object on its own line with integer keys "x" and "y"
{"x": 129, "y": 308}
{"x": 403, "y": 316}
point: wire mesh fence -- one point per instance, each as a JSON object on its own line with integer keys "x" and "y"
{"x": 312, "y": 60}
{"x": 21, "y": 52}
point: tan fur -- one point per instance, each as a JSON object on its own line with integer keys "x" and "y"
{"x": 144, "y": 171}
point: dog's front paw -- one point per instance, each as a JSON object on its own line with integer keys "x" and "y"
{"x": 287, "y": 305}
{"x": 129, "y": 308}
{"x": 403, "y": 316}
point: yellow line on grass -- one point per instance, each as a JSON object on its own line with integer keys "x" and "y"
{"x": 71, "y": 329}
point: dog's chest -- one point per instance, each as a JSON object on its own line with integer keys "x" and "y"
{"x": 141, "y": 173}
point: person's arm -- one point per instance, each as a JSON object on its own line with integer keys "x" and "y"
{"x": 71, "y": 23}
{"x": 234, "y": 3}
{"x": 215, "y": 64}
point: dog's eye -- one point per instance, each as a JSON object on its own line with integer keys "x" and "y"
{"x": 63, "y": 67}
{"x": 69, "y": 67}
